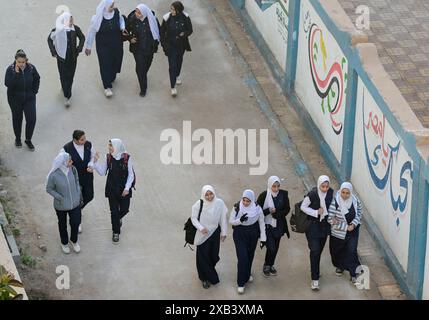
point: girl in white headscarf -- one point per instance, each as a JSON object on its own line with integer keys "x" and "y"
{"x": 107, "y": 28}
{"x": 248, "y": 223}
{"x": 275, "y": 205}
{"x": 211, "y": 224}
{"x": 315, "y": 205}
{"x": 118, "y": 166}
{"x": 63, "y": 45}
{"x": 143, "y": 28}
{"x": 63, "y": 185}
{"x": 345, "y": 213}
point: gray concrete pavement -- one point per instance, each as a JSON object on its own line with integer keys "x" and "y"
{"x": 150, "y": 261}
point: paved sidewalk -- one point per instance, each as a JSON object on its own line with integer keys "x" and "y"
{"x": 400, "y": 30}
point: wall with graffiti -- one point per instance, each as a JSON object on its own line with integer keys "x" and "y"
{"x": 271, "y": 19}
{"x": 321, "y": 77}
{"x": 382, "y": 173}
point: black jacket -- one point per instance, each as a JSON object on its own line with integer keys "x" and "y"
{"x": 22, "y": 85}
{"x": 281, "y": 211}
{"x": 141, "y": 30}
{"x": 169, "y": 36}
{"x": 76, "y": 49}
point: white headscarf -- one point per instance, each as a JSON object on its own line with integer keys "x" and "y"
{"x": 59, "y": 36}
{"x": 252, "y": 210}
{"x": 60, "y": 162}
{"x": 345, "y": 205}
{"x": 147, "y": 13}
{"x": 322, "y": 195}
{"x": 102, "y": 12}
{"x": 118, "y": 148}
{"x": 269, "y": 203}
{"x": 208, "y": 204}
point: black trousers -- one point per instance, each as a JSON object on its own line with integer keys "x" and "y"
{"x": 273, "y": 244}
{"x": 246, "y": 240}
{"x": 67, "y": 70}
{"x": 119, "y": 207}
{"x": 26, "y": 108}
{"x": 87, "y": 187}
{"x": 143, "y": 63}
{"x": 344, "y": 252}
{"x": 317, "y": 234}
{"x": 110, "y": 62}
{"x": 175, "y": 61}
{"x": 74, "y": 219}
{"x": 208, "y": 257}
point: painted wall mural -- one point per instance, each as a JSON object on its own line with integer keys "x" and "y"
{"x": 322, "y": 77}
{"x": 383, "y": 173}
{"x": 263, "y": 14}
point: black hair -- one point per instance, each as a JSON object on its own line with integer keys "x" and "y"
{"x": 178, "y": 6}
{"x": 77, "y": 134}
{"x": 20, "y": 54}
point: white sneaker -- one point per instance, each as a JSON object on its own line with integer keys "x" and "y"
{"x": 65, "y": 248}
{"x": 315, "y": 285}
{"x": 67, "y": 102}
{"x": 174, "y": 92}
{"x": 240, "y": 290}
{"x": 250, "y": 279}
{"x": 108, "y": 93}
{"x": 80, "y": 228}
{"x": 178, "y": 81}
{"x": 75, "y": 246}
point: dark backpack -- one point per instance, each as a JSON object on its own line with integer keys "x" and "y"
{"x": 125, "y": 157}
{"x": 299, "y": 220}
{"x": 190, "y": 229}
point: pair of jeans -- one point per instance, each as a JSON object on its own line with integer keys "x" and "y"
{"x": 175, "y": 61}
{"x": 75, "y": 217}
{"x": 119, "y": 207}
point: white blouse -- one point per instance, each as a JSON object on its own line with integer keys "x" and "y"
{"x": 235, "y": 221}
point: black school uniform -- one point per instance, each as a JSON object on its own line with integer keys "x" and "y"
{"x": 67, "y": 66}
{"x": 274, "y": 234}
{"x": 144, "y": 49}
{"x": 22, "y": 88}
{"x": 175, "y": 45}
{"x": 110, "y": 49}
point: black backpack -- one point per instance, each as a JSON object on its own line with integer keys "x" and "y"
{"x": 190, "y": 229}
{"x": 299, "y": 220}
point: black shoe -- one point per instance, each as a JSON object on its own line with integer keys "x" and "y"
{"x": 206, "y": 284}
{"x": 18, "y": 144}
{"x": 273, "y": 271}
{"x": 30, "y": 145}
{"x": 115, "y": 238}
{"x": 339, "y": 272}
{"x": 143, "y": 94}
{"x": 266, "y": 271}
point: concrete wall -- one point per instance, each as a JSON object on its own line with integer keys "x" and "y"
{"x": 271, "y": 19}
{"x": 321, "y": 77}
{"x": 366, "y": 130}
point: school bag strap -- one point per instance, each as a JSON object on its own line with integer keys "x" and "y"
{"x": 201, "y": 209}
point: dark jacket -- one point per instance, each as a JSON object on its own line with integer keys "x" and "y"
{"x": 22, "y": 85}
{"x": 171, "y": 36}
{"x": 75, "y": 48}
{"x": 282, "y": 209}
{"x": 136, "y": 28}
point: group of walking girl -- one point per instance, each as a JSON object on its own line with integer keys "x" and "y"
{"x": 71, "y": 183}
{"x": 109, "y": 29}
{"x": 264, "y": 219}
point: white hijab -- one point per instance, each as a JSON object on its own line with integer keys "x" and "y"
{"x": 101, "y": 12}
{"x": 59, "y": 36}
{"x": 147, "y": 13}
{"x": 322, "y": 195}
{"x": 208, "y": 204}
{"x": 60, "y": 162}
{"x": 345, "y": 205}
{"x": 252, "y": 210}
{"x": 118, "y": 148}
{"x": 269, "y": 203}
